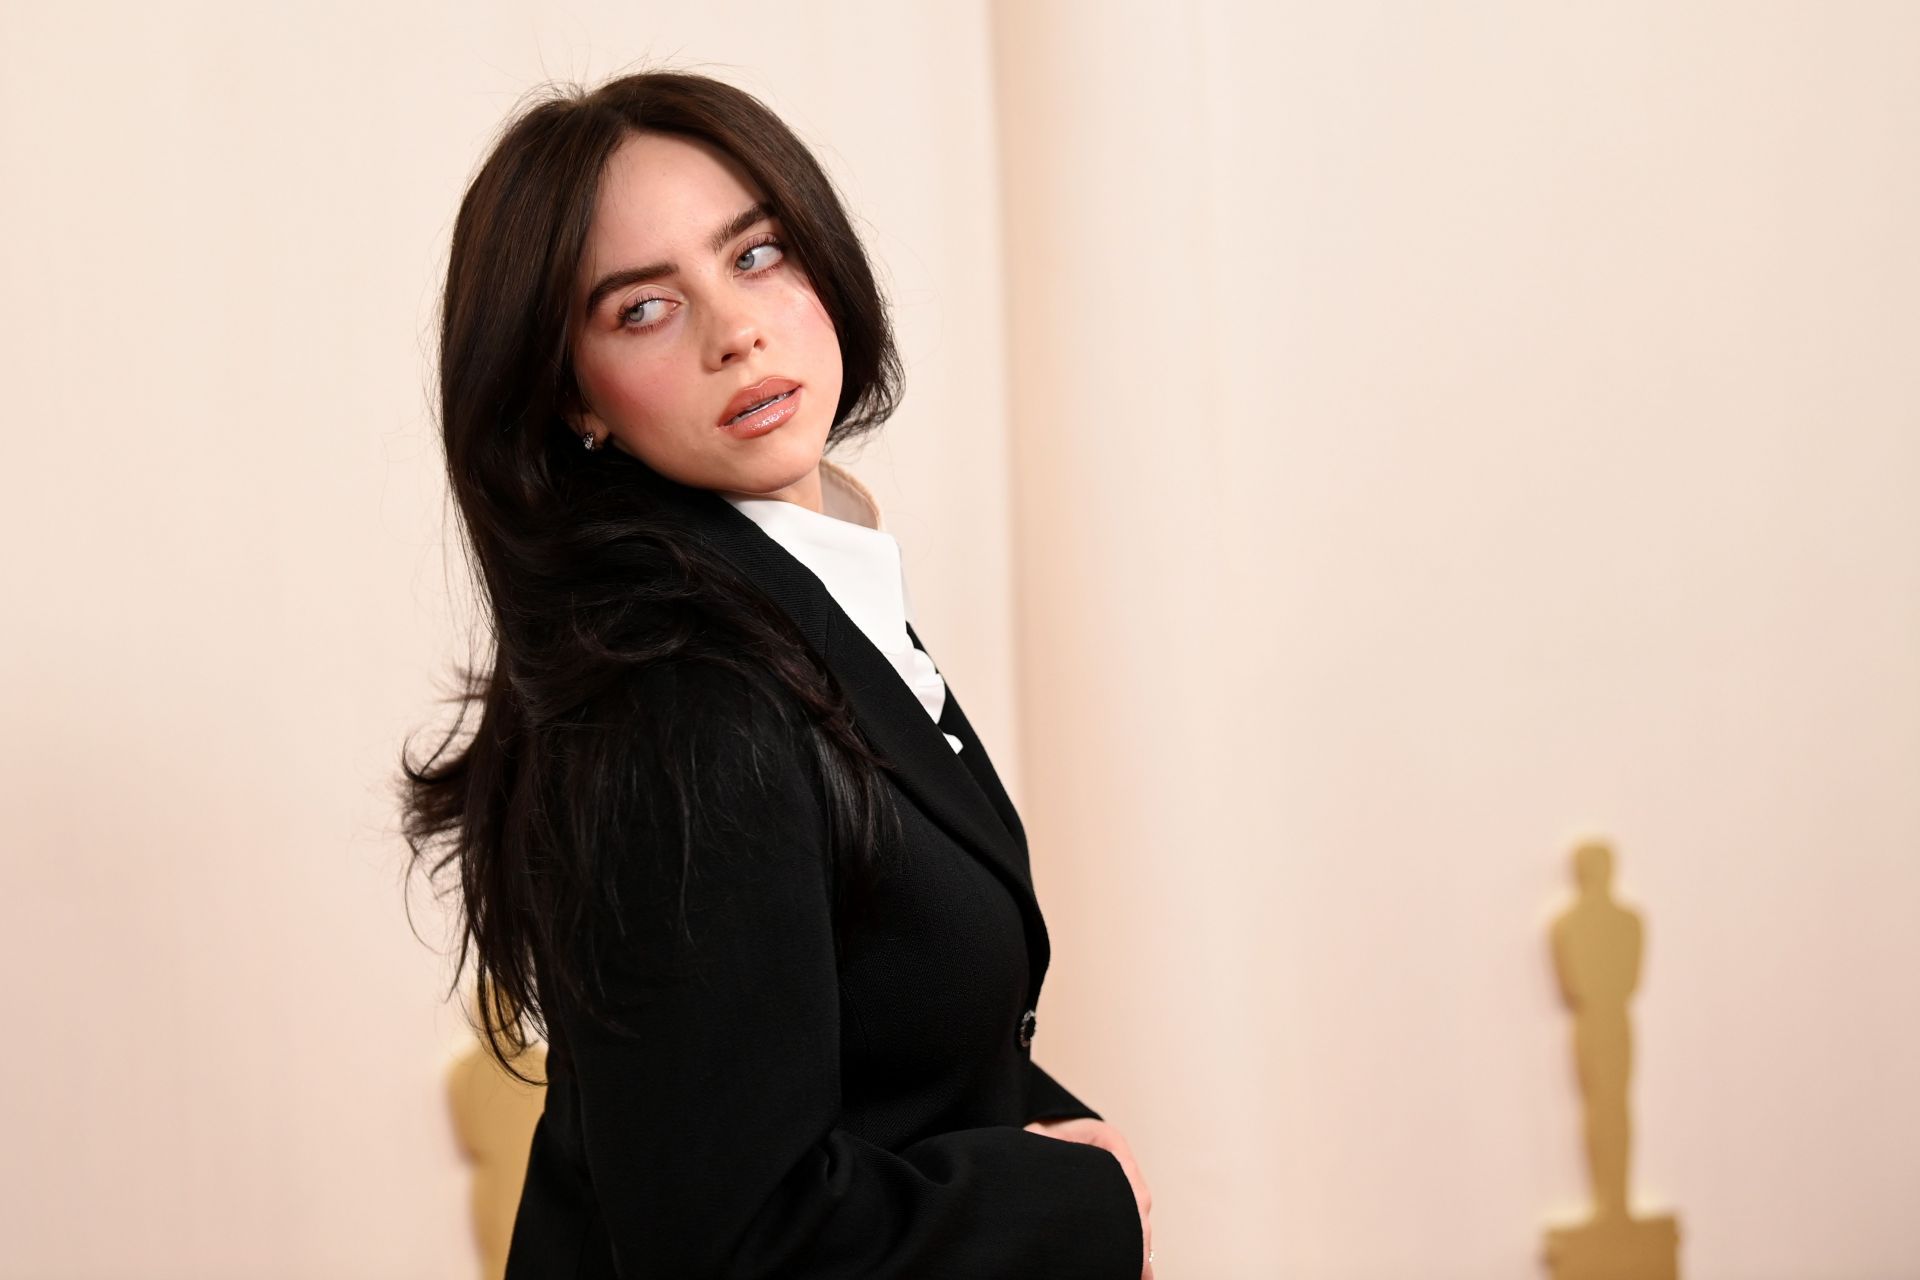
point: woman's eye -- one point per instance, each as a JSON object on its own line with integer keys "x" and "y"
{"x": 631, "y": 316}
{"x": 636, "y": 316}
{"x": 778, "y": 253}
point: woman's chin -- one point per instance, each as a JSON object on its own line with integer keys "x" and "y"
{"x": 774, "y": 468}
{"x": 770, "y": 465}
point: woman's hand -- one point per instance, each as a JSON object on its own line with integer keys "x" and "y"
{"x": 1099, "y": 1133}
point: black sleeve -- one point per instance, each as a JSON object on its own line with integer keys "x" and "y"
{"x": 710, "y": 1135}
{"x": 1048, "y": 1099}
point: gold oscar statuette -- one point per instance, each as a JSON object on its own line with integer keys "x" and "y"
{"x": 1596, "y": 955}
{"x": 493, "y": 1120}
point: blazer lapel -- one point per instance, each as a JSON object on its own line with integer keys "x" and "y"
{"x": 965, "y": 799}
{"x": 954, "y": 720}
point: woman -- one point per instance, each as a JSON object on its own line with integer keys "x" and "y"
{"x": 722, "y": 834}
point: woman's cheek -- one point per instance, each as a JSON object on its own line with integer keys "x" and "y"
{"x": 645, "y": 394}
{"x": 803, "y": 305}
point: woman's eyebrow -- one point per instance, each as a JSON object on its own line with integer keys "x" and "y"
{"x": 615, "y": 280}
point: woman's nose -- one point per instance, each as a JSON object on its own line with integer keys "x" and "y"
{"x": 735, "y": 333}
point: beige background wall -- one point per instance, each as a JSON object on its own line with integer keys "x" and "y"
{"x": 1483, "y": 424}
{"x": 1350, "y": 452}
{"x": 224, "y": 230}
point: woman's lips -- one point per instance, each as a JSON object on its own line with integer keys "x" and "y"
{"x": 759, "y": 421}
{"x": 751, "y": 397}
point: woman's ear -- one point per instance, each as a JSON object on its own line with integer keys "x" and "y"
{"x": 582, "y": 420}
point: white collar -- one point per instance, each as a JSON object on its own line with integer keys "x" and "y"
{"x": 860, "y": 565}
{"x": 847, "y": 550}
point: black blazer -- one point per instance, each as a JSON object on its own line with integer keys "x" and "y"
{"x": 785, "y": 1114}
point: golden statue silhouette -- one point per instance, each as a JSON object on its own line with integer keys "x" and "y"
{"x": 1597, "y": 945}
{"x": 493, "y": 1120}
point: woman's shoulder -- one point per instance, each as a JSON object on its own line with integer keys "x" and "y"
{"x": 722, "y": 728}
{"x": 693, "y": 792}
{"x": 701, "y": 693}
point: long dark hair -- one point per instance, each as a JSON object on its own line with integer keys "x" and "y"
{"x": 586, "y": 583}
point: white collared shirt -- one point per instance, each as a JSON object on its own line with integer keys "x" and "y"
{"x": 861, "y": 567}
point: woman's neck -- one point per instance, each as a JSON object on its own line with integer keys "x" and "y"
{"x": 803, "y": 492}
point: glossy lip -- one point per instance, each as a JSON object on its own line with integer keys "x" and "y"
{"x": 761, "y": 421}
{"x": 747, "y": 397}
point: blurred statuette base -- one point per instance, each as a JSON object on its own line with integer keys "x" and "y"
{"x": 1616, "y": 1249}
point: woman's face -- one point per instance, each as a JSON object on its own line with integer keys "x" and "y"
{"x": 686, "y": 297}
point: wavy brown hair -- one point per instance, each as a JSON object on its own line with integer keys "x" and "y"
{"x": 588, "y": 586}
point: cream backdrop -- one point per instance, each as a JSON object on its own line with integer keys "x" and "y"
{"x": 228, "y": 556}
{"x": 1483, "y": 423}
{"x": 1351, "y": 451}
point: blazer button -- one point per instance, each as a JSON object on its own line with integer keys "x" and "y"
{"x": 1028, "y": 1023}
